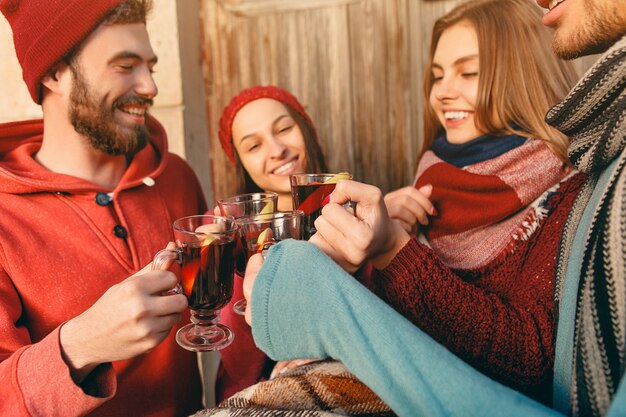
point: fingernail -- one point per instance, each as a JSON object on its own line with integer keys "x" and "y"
{"x": 434, "y": 212}
{"x": 325, "y": 201}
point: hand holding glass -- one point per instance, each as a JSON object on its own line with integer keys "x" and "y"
{"x": 310, "y": 193}
{"x": 206, "y": 251}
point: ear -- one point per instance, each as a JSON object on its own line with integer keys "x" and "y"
{"x": 57, "y": 78}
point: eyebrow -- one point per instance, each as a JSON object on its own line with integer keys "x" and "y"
{"x": 249, "y": 135}
{"x": 459, "y": 61}
{"x": 132, "y": 55}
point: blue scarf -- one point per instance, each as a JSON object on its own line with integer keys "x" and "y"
{"x": 476, "y": 150}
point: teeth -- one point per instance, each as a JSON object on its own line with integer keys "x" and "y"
{"x": 553, "y": 3}
{"x": 456, "y": 115}
{"x": 135, "y": 111}
{"x": 284, "y": 168}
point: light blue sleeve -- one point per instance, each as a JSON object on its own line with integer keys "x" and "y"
{"x": 305, "y": 306}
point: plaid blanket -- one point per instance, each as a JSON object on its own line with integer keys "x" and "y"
{"x": 317, "y": 389}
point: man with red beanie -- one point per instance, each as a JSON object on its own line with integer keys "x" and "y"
{"x": 88, "y": 196}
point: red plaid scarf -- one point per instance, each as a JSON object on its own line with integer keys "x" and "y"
{"x": 484, "y": 208}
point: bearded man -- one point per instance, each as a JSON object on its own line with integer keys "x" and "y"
{"x": 88, "y": 196}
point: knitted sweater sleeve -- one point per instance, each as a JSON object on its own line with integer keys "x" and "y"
{"x": 305, "y": 306}
{"x": 501, "y": 318}
{"x": 35, "y": 380}
{"x": 506, "y": 336}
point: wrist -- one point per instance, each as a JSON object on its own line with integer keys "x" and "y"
{"x": 73, "y": 351}
{"x": 399, "y": 238}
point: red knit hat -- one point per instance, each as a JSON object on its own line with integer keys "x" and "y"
{"x": 245, "y": 97}
{"x": 44, "y": 31}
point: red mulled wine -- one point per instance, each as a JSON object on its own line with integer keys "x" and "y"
{"x": 207, "y": 275}
{"x": 310, "y": 198}
{"x": 241, "y": 259}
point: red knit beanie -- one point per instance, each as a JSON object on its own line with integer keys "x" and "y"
{"x": 245, "y": 97}
{"x": 44, "y": 31}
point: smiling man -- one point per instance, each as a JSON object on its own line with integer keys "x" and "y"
{"x": 584, "y": 27}
{"x": 87, "y": 197}
{"x": 591, "y": 349}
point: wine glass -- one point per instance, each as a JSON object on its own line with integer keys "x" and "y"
{"x": 205, "y": 248}
{"x": 310, "y": 192}
{"x": 240, "y": 206}
{"x": 261, "y": 231}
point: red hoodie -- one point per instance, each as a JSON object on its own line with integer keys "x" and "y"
{"x": 59, "y": 252}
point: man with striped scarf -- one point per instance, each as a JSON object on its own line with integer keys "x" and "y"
{"x": 407, "y": 369}
{"x": 591, "y": 278}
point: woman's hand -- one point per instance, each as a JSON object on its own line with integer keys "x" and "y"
{"x": 252, "y": 269}
{"x": 369, "y": 233}
{"x": 410, "y": 207}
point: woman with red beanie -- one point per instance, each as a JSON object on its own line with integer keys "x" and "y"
{"x": 267, "y": 135}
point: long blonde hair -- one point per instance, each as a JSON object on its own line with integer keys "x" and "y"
{"x": 520, "y": 78}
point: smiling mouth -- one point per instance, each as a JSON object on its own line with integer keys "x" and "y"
{"x": 554, "y": 3}
{"x": 285, "y": 168}
{"x": 134, "y": 110}
{"x": 455, "y": 115}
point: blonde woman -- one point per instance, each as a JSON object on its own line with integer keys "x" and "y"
{"x": 491, "y": 196}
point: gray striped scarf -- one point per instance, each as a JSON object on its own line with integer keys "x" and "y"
{"x": 593, "y": 115}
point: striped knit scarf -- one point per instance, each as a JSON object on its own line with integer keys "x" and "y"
{"x": 486, "y": 207}
{"x": 594, "y": 116}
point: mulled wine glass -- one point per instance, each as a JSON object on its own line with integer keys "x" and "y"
{"x": 310, "y": 193}
{"x": 239, "y": 207}
{"x": 261, "y": 231}
{"x": 205, "y": 248}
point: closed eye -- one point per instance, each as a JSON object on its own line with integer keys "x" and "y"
{"x": 252, "y": 147}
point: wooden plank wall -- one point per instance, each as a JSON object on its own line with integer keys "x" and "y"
{"x": 356, "y": 66}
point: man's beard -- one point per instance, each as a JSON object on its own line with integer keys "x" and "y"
{"x": 601, "y": 29}
{"x": 95, "y": 120}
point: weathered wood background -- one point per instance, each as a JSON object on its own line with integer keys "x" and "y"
{"x": 356, "y": 66}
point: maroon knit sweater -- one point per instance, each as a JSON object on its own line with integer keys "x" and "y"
{"x": 499, "y": 318}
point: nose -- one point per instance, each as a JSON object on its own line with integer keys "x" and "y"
{"x": 445, "y": 88}
{"x": 145, "y": 85}
{"x": 277, "y": 148}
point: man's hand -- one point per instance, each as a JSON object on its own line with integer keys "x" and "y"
{"x": 130, "y": 318}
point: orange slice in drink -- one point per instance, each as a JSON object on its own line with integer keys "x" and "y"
{"x": 266, "y": 236}
{"x": 268, "y": 209}
{"x": 337, "y": 177}
{"x": 206, "y": 233}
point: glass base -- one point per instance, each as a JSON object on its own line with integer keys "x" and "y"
{"x": 198, "y": 338}
{"x": 240, "y": 307}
